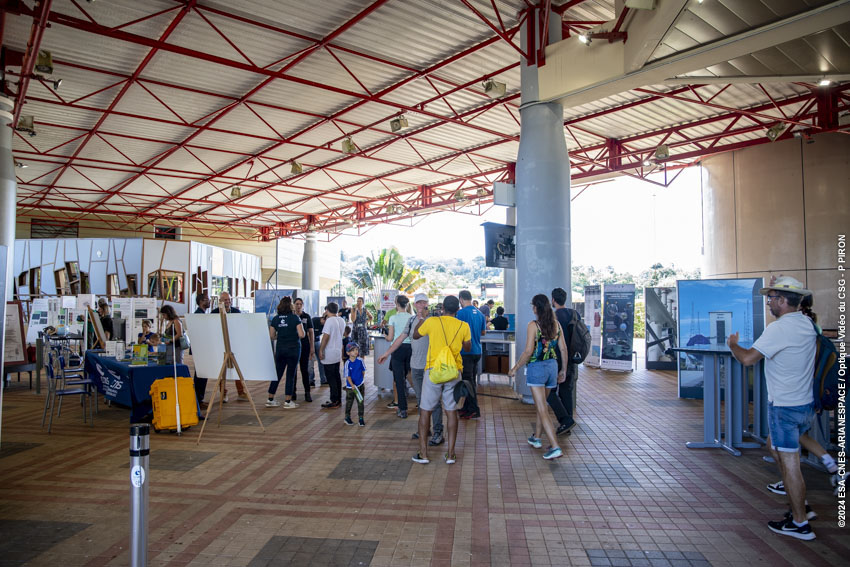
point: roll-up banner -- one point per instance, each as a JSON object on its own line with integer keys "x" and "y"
{"x": 662, "y": 309}
{"x": 593, "y": 319}
{"x": 618, "y": 326}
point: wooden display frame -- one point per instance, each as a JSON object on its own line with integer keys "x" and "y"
{"x": 10, "y": 332}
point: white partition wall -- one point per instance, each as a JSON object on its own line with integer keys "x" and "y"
{"x": 172, "y": 271}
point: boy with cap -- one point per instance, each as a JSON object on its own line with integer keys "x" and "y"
{"x": 353, "y": 374}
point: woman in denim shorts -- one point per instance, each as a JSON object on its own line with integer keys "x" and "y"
{"x": 543, "y": 336}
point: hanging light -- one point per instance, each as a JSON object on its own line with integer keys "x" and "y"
{"x": 460, "y": 196}
{"x": 481, "y": 192}
{"x": 662, "y": 152}
{"x": 235, "y": 192}
{"x": 295, "y": 167}
{"x": 44, "y": 62}
{"x": 26, "y": 124}
{"x": 398, "y": 123}
{"x": 494, "y": 89}
{"x": 348, "y": 146}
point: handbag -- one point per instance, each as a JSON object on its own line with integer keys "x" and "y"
{"x": 183, "y": 342}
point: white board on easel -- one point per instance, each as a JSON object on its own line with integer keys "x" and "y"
{"x": 249, "y": 342}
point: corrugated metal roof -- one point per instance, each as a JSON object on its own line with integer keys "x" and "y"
{"x": 206, "y": 104}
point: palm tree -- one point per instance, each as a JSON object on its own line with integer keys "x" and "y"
{"x": 387, "y": 271}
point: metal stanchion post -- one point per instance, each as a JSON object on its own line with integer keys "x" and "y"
{"x": 139, "y": 455}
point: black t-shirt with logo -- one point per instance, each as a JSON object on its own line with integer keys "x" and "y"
{"x": 287, "y": 332}
{"x": 307, "y": 323}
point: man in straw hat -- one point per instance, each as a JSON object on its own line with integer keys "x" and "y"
{"x": 788, "y": 347}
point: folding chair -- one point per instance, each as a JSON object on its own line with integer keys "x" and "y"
{"x": 56, "y": 388}
{"x": 76, "y": 377}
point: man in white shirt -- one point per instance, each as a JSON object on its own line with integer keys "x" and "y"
{"x": 330, "y": 354}
{"x": 788, "y": 347}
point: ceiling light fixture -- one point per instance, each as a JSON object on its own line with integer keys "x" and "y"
{"x": 662, "y": 152}
{"x": 44, "y": 62}
{"x": 494, "y": 89}
{"x": 481, "y": 192}
{"x": 646, "y": 163}
{"x": 235, "y": 192}
{"x": 21, "y": 165}
{"x": 460, "y": 196}
{"x": 775, "y": 131}
{"x": 587, "y": 37}
{"x": 295, "y": 167}
{"x": 348, "y": 146}
{"x": 26, "y": 124}
{"x": 824, "y": 82}
{"x": 398, "y": 123}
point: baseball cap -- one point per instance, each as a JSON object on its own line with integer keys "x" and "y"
{"x": 420, "y": 297}
{"x": 351, "y": 346}
{"x": 786, "y": 283}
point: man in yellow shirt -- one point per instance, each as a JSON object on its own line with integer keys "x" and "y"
{"x": 441, "y": 331}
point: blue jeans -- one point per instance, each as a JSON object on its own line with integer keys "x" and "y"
{"x": 322, "y": 379}
{"x": 787, "y": 423}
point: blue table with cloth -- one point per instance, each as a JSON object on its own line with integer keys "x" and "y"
{"x": 128, "y": 385}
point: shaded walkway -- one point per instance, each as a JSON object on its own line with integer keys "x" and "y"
{"x": 312, "y": 491}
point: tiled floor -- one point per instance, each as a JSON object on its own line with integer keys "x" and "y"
{"x": 313, "y": 491}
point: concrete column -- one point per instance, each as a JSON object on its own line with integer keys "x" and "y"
{"x": 509, "y": 276}
{"x": 543, "y": 197}
{"x": 8, "y": 189}
{"x": 310, "y": 264}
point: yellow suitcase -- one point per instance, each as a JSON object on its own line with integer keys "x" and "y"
{"x": 164, "y": 406}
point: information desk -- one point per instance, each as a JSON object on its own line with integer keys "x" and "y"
{"x": 498, "y": 354}
{"x": 128, "y": 385}
{"x": 736, "y": 397}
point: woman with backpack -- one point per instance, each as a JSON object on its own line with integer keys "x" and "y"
{"x": 543, "y": 337}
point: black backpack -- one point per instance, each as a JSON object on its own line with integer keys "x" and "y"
{"x": 578, "y": 338}
{"x": 825, "y": 382}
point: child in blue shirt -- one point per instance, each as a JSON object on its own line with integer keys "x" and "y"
{"x": 353, "y": 374}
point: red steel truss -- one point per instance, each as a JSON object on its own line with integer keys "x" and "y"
{"x": 203, "y": 201}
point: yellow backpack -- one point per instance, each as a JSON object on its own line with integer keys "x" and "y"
{"x": 445, "y": 365}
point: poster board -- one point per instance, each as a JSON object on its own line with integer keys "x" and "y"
{"x": 618, "y": 326}
{"x": 593, "y": 319}
{"x": 709, "y": 311}
{"x": 94, "y": 319}
{"x": 388, "y": 299}
{"x": 14, "y": 348}
{"x": 661, "y": 329}
{"x": 266, "y": 300}
{"x": 249, "y": 342}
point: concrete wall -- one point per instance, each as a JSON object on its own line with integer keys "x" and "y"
{"x": 778, "y": 209}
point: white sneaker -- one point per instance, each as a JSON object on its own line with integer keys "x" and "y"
{"x": 272, "y": 404}
{"x": 289, "y": 405}
{"x": 225, "y": 400}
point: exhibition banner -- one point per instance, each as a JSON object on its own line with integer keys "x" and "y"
{"x": 618, "y": 326}
{"x": 593, "y": 319}
{"x": 710, "y": 311}
{"x": 662, "y": 308}
{"x": 388, "y": 299}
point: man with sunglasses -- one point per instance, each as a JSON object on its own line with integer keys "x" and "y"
{"x": 788, "y": 347}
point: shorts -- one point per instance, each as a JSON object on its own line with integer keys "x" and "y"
{"x": 542, "y": 373}
{"x": 787, "y": 423}
{"x": 433, "y": 393}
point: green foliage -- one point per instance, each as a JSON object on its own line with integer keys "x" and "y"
{"x": 640, "y": 315}
{"x": 386, "y": 271}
